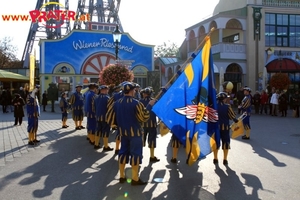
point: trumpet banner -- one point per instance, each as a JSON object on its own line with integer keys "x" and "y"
{"x": 237, "y": 129}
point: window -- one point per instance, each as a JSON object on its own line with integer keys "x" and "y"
{"x": 232, "y": 38}
{"x": 282, "y": 30}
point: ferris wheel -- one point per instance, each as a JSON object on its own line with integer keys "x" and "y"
{"x": 96, "y": 62}
{"x": 104, "y": 11}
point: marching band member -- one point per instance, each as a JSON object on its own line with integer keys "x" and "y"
{"x": 63, "y": 104}
{"x": 175, "y": 146}
{"x": 33, "y": 113}
{"x": 103, "y": 127}
{"x": 128, "y": 114}
{"x": 117, "y": 94}
{"x": 76, "y": 101}
{"x": 246, "y": 107}
{"x": 91, "y": 112}
{"x": 225, "y": 113}
{"x": 150, "y": 126}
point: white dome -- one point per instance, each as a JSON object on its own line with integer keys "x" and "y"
{"x": 225, "y": 5}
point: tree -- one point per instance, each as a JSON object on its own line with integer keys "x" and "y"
{"x": 7, "y": 53}
{"x": 166, "y": 50}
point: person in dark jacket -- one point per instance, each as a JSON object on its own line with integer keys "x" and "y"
{"x": 18, "y": 103}
{"x": 296, "y": 103}
{"x": 44, "y": 100}
{"x": 4, "y": 101}
{"x": 22, "y": 93}
{"x": 256, "y": 101}
{"x": 9, "y": 100}
{"x": 240, "y": 96}
{"x": 283, "y": 103}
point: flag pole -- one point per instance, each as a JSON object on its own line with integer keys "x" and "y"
{"x": 186, "y": 62}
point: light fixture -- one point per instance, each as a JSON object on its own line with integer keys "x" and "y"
{"x": 117, "y": 39}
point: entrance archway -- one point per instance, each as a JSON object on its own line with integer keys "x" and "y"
{"x": 234, "y": 74}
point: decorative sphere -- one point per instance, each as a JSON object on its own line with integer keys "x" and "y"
{"x": 227, "y": 86}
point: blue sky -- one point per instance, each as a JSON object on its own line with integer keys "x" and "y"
{"x": 147, "y": 21}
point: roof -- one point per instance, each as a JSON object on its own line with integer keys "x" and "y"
{"x": 169, "y": 60}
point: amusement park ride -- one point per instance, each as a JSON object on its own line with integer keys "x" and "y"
{"x": 99, "y": 12}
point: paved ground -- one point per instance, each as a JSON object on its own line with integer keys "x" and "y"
{"x": 65, "y": 166}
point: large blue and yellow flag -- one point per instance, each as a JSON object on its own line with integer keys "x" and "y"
{"x": 189, "y": 107}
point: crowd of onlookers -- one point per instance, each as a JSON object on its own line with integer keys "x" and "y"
{"x": 275, "y": 102}
{"x": 7, "y": 96}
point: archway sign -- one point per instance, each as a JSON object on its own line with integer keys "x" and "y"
{"x": 125, "y": 62}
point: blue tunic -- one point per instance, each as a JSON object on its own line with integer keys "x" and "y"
{"x": 225, "y": 113}
{"x": 63, "y": 104}
{"x": 128, "y": 114}
{"x": 91, "y": 112}
{"x": 246, "y": 107}
{"x": 101, "y": 103}
{"x": 33, "y": 112}
{"x": 149, "y": 126}
{"x": 76, "y": 101}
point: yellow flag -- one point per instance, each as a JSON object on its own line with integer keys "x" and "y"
{"x": 31, "y": 72}
{"x": 237, "y": 129}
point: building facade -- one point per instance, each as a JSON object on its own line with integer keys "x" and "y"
{"x": 252, "y": 40}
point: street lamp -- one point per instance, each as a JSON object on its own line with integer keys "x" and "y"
{"x": 256, "y": 28}
{"x": 256, "y": 59}
{"x": 117, "y": 39}
{"x": 280, "y": 60}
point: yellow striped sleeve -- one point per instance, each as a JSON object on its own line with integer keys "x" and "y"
{"x": 142, "y": 113}
{"x": 246, "y": 103}
{"x": 231, "y": 113}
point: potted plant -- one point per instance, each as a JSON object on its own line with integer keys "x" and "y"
{"x": 280, "y": 81}
{"x": 114, "y": 74}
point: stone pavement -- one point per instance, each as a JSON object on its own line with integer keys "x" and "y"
{"x": 65, "y": 166}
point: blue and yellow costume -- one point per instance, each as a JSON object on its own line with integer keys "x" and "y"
{"x": 103, "y": 127}
{"x": 225, "y": 113}
{"x": 64, "y": 105}
{"x": 76, "y": 101}
{"x": 91, "y": 112}
{"x": 149, "y": 126}
{"x": 128, "y": 114}
{"x": 246, "y": 108}
{"x": 117, "y": 94}
{"x": 33, "y": 113}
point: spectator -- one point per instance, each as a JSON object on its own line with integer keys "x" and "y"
{"x": 274, "y": 102}
{"x": 263, "y": 102}
{"x": 256, "y": 101}
{"x": 296, "y": 103}
{"x": 9, "y": 100}
{"x": 18, "y": 103}
{"x": 4, "y": 101}
{"x": 283, "y": 103}
{"x": 22, "y": 93}
{"x": 44, "y": 100}
{"x": 269, "y": 99}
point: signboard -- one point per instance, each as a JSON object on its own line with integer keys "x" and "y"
{"x": 88, "y": 52}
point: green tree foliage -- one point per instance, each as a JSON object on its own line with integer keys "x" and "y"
{"x": 166, "y": 50}
{"x": 8, "y": 51}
